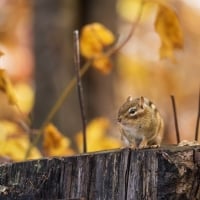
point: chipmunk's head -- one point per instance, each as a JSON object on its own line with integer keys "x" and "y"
{"x": 140, "y": 120}
{"x": 132, "y": 111}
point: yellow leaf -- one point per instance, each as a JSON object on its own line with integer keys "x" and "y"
{"x": 55, "y": 144}
{"x": 168, "y": 27}
{"x": 129, "y": 9}
{"x": 97, "y": 137}
{"x": 14, "y": 142}
{"x": 24, "y": 96}
{"x": 94, "y": 38}
{"x": 15, "y": 148}
{"x": 103, "y": 64}
{"x": 6, "y": 87}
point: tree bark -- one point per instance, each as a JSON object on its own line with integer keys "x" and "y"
{"x": 54, "y": 23}
{"x": 146, "y": 174}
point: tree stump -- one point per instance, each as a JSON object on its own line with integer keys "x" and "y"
{"x": 163, "y": 173}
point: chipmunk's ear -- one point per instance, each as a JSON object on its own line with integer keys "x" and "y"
{"x": 129, "y": 99}
{"x": 141, "y": 102}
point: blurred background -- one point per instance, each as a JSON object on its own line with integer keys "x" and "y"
{"x": 37, "y": 47}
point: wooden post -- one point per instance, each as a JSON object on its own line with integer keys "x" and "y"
{"x": 148, "y": 174}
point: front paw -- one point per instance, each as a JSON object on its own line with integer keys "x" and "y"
{"x": 149, "y": 146}
{"x": 143, "y": 147}
{"x": 133, "y": 147}
{"x": 154, "y": 146}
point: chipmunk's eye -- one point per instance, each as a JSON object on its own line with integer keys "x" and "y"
{"x": 132, "y": 111}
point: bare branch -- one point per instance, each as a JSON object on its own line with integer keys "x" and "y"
{"x": 198, "y": 117}
{"x": 79, "y": 86}
{"x": 175, "y": 119}
{"x": 130, "y": 34}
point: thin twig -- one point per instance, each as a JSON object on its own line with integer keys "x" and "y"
{"x": 175, "y": 119}
{"x": 80, "y": 87}
{"x": 198, "y": 118}
{"x": 133, "y": 28}
{"x": 24, "y": 126}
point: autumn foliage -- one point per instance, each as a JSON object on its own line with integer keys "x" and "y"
{"x": 97, "y": 45}
{"x": 169, "y": 29}
{"x": 94, "y": 40}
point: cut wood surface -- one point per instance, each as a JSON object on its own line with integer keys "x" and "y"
{"x": 163, "y": 173}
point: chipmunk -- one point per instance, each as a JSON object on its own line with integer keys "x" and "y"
{"x": 140, "y": 123}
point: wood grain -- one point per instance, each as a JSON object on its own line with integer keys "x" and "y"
{"x": 164, "y": 173}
